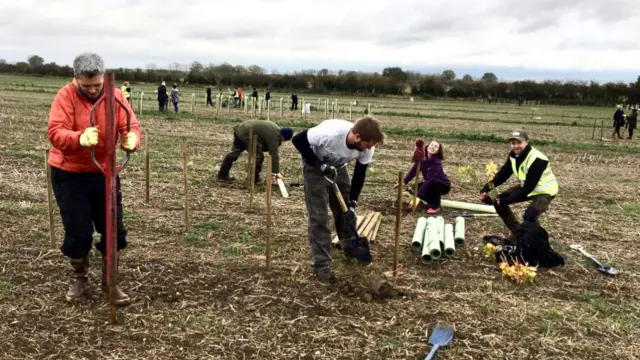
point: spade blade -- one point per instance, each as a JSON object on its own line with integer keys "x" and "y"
{"x": 441, "y": 335}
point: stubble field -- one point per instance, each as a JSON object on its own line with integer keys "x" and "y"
{"x": 207, "y": 294}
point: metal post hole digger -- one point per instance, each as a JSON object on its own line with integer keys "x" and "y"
{"x": 110, "y": 171}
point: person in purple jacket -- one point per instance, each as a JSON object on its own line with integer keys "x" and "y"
{"x": 436, "y": 182}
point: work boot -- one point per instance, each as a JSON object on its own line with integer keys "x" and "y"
{"x": 80, "y": 272}
{"x": 121, "y": 299}
{"x": 324, "y": 275}
{"x": 226, "y": 179}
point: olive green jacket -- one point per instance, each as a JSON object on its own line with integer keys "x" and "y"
{"x": 269, "y": 138}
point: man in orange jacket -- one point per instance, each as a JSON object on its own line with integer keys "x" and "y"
{"x": 78, "y": 184}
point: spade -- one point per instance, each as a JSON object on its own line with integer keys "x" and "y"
{"x": 603, "y": 269}
{"x": 441, "y": 336}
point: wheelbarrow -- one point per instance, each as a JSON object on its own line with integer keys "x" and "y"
{"x": 110, "y": 171}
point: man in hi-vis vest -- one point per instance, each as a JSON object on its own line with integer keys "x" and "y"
{"x": 126, "y": 91}
{"x": 536, "y": 182}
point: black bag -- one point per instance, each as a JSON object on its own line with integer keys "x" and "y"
{"x": 532, "y": 247}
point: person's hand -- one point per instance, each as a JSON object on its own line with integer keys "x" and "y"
{"x": 395, "y": 186}
{"x": 352, "y": 205}
{"x": 89, "y": 137}
{"x": 483, "y": 196}
{"x": 329, "y": 171}
{"x": 129, "y": 141}
{"x": 279, "y": 176}
{"x": 349, "y": 217}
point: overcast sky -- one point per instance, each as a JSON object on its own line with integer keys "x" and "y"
{"x": 560, "y": 39}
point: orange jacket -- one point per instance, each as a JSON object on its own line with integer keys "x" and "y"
{"x": 69, "y": 117}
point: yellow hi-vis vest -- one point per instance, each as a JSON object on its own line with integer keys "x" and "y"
{"x": 548, "y": 184}
{"x": 125, "y": 92}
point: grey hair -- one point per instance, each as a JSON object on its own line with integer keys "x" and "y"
{"x": 88, "y": 64}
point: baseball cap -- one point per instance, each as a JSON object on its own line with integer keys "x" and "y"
{"x": 518, "y": 134}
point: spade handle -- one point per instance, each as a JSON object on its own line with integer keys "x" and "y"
{"x": 433, "y": 352}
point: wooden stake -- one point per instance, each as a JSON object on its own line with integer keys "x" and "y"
{"x": 281, "y": 99}
{"x": 326, "y": 108}
{"x": 593, "y": 133}
{"x": 250, "y": 159}
{"x": 187, "y": 223}
{"x": 369, "y": 110}
{"x": 302, "y": 114}
{"x": 601, "y": 129}
{"x": 229, "y": 104}
{"x": 47, "y": 167}
{"x": 146, "y": 167}
{"x": 254, "y": 148}
{"x": 193, "y": 101}
{"x": 140, "y": 103}
{"x": 350, "y": 111}
{"x": 268, "y": 240}
{"x": 398, "y": 216}
{"x": 415, "y": 186}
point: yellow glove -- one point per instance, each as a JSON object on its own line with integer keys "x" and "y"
{"x": 129, "y": 141}
{"x": 89, "y": 137}
{"x": 279, "y": 176}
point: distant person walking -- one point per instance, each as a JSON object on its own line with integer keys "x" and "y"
{"x": 618, "y": 122}
{"x": 632, "y": 122}
{"x": 162, "y": 96}
{"x": 294, "y": 102}
{"x": 175, "y": 99}
{"x": 209, "y": 101}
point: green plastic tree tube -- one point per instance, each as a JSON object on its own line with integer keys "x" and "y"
{"x": 449, "y": 242}
{"x": 459, "y": 235}
{"x": 418, "y": 234}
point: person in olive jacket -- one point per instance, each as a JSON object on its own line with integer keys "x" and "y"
{"x": 270, "y": 137}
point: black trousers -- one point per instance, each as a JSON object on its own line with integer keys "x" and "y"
{"x": 209, "y": 101}
{"x": 81, "y": 199}
{"x": 616, "y": 131}
{"x": 434, "y": 192}
{"x": 630, "y": 133}
{"x": 237, "y": 149}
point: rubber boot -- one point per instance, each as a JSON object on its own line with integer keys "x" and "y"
{"x": 80, "y": 276}
{"x": 122, "y": 299}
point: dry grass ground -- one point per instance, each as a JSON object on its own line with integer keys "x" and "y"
{"x": 206, "y": 293}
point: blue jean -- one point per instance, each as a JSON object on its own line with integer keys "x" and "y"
{"x": 175, "y": 106}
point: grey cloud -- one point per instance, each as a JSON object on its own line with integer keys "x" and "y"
{"x": 533, "y": 25}
{"x": 223, "y": 34}
{"x": 427, "y": 29}
{"x": 617, "y": 45}
{"x": 600, "y": 10}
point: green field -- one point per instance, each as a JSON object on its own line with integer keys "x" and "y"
{"x": 207, "y": 294}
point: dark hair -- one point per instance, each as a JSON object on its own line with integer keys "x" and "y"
{"x": 440, "y": 152}
{"x": 369, "y": 129}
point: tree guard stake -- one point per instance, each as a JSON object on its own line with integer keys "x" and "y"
{"x": 110, "y": 171}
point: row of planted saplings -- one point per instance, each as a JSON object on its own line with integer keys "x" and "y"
{"x": 432, "y": 238}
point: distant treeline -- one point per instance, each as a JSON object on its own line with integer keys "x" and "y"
{"x": 392, "y": 81}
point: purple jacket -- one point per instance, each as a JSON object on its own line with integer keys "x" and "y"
{"x": 431, "y": 169}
